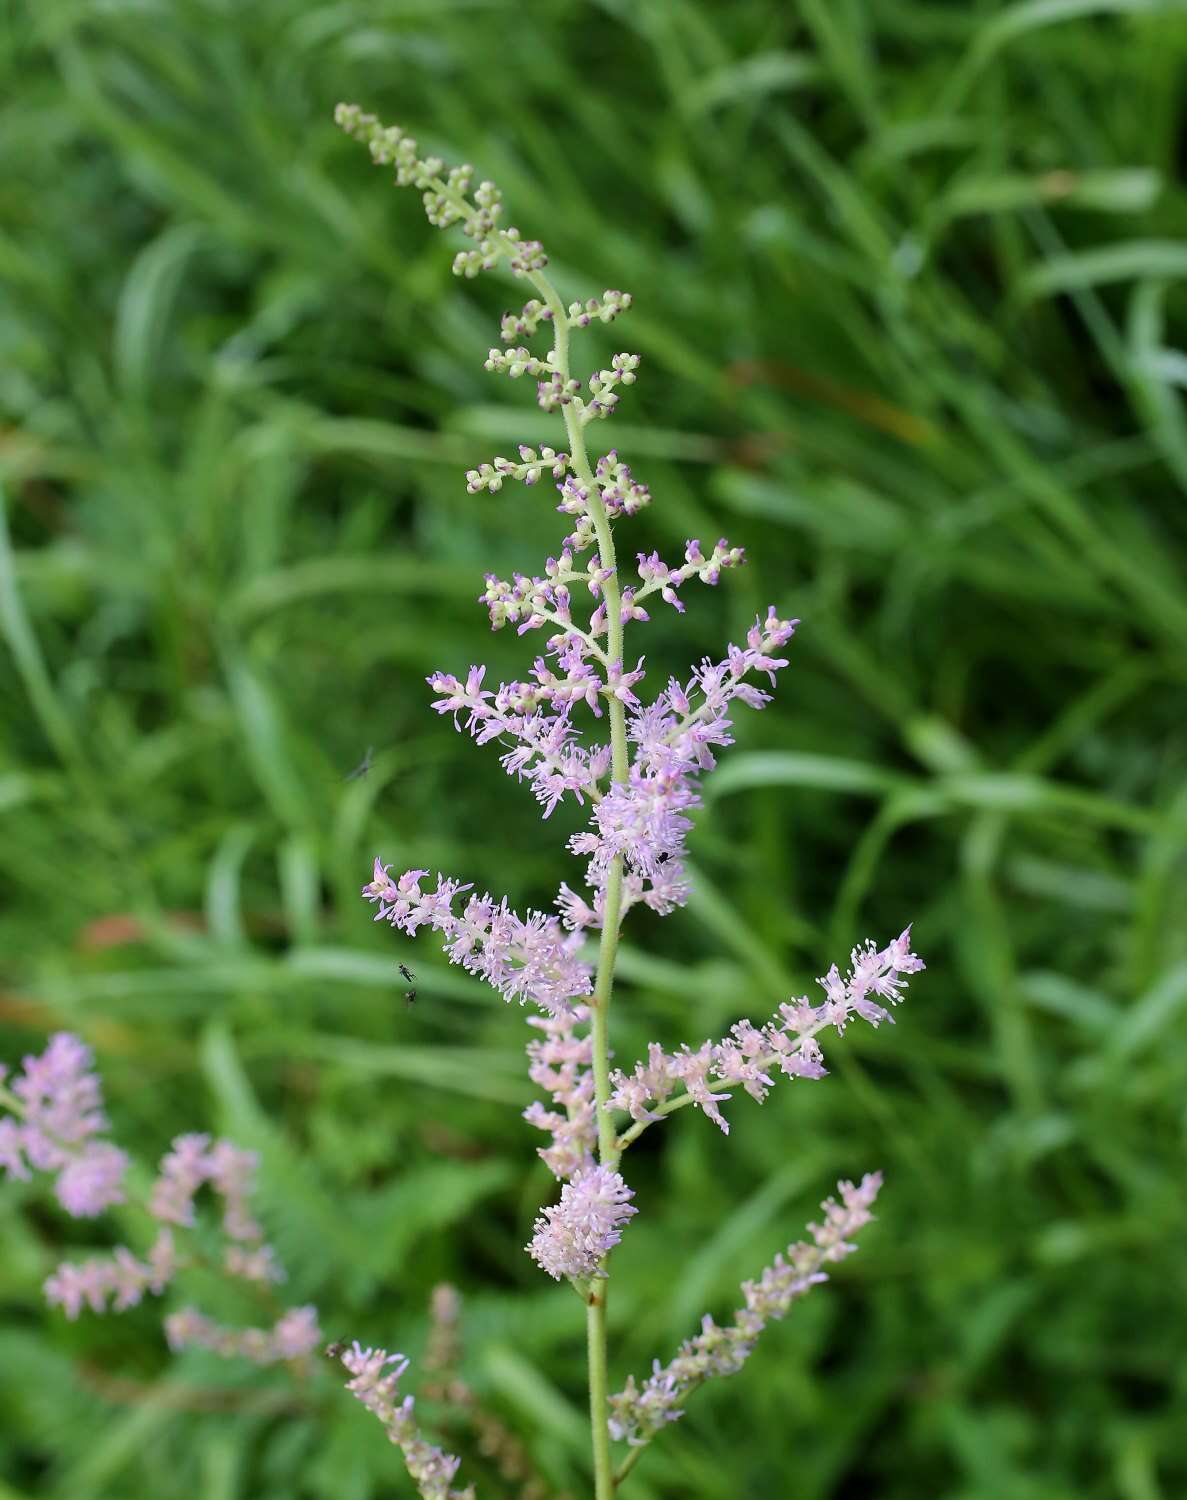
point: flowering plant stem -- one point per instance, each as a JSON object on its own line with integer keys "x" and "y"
{"x": 595, "y": 1323}
{"x": 608, "y": 1148}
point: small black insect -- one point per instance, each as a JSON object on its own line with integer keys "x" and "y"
{"x": 410, "y": 997}
{"x": 335, "y": 1351}
{"x": 407, "y": 973}
{"x": 363, "y": 766}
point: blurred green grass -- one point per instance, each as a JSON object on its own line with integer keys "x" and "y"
{"x": 908, "y": 286}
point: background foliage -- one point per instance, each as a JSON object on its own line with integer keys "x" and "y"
{"x": 907, "y": 290}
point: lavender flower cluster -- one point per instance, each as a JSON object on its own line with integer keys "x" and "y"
{"x": 561, "y": 1063}
{"x": 57, "y": 1128}
{"x": 522, "y": 957}
{"x": 638, "y": 808}
{"x": 574, "y": 1236}
{"x": 293, "y": 1336}
{"x": 56, "y": 1114}
{"x": 641, "y": 816}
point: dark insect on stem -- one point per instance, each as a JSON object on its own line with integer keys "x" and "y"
{"x": 407, "y": 973}
{"x": 410, "y": 997}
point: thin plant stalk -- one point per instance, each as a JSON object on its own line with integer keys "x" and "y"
{"x": 595, "y": 1323}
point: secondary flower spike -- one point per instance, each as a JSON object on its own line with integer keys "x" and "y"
{"x": 524, "y": 958}
{"x": 121, "y": 1279}
{"x": 751, "y": 1055}
{"x": 638, "y": 1412}
{"x": 375, "y": 1376}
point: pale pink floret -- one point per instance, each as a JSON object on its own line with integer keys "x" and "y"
{"x": 92, "y": 1180}
{"x": 119, "y": 1278}
{"x": 232, "y": 1174}
{"x": 61, "y": 1092}
{"x": 183, "y": 1170}
{"x": 193, "y": 1161}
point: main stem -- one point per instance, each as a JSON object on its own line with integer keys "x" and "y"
{"x": 595, "y": 1322}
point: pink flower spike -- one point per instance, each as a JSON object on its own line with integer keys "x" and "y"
{"x": 751, "y": 1056}
{"x": 524, "y": 958}
{"x": 639, "y": 1412}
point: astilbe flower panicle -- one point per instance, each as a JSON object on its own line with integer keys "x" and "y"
{"x": 585, "y": 726}
{"x": 751, "y": 1055}
{"x": 638, "y": 812}
{"x": 58, "y": 1105}
{"x": 638, "y": 1412}
{"x": 375, "y": 1376}
{"x": 644, "y": 818}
